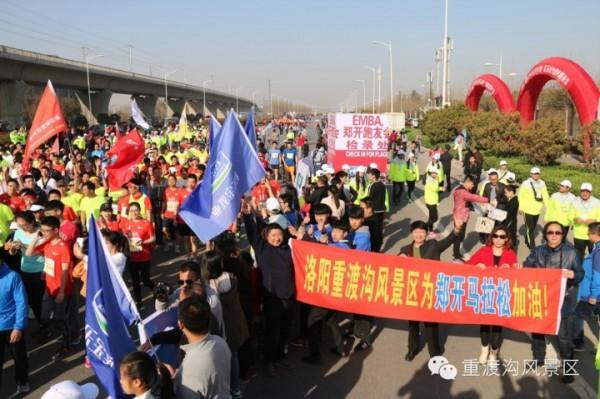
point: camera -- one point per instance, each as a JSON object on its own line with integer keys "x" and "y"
{"x": 162, "y": 291}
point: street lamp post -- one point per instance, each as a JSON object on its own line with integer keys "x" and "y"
{"x": 363, "y": 83}
{"x": 87, "y": 74}
{"x": 445, "y": 58}
{"x": 373, "y": 72}
{"x": 379, "y": 89}
{"x": 389, "y": 47}
{"x": 237, "y": 100}
{"x": 204, "y": 95}
{"x": 499, "y": 65}
{"x": 166, "y": 91}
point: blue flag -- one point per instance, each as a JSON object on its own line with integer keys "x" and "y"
{"x": 107, "y": 340}
{"x": 233, "y": 169}
{"x": 250, "y": 128}
{"x": 213, "y": 131}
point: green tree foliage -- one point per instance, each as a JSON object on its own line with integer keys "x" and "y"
{"x": 494, "y": 131}
{"x": 543, "y": 141}
{"x": 442, "y": 125}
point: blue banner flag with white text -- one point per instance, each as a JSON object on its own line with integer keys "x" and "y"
{"x": 250, "y": 128}
{"x": 213, "y": 130}
{"x": 233, "y": 169}
{"x": 107, "y": 305}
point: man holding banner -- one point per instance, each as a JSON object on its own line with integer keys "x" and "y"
{"x": 555, "y": 254}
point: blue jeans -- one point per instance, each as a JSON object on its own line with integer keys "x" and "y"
{"x": 234, "y": 383}
{"x": 584, "y": 310}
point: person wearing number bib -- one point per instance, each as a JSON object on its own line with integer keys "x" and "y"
{"x": 140, "y": 233}
{"x": 533, "y": 195}
{"x": 288, "y": 158}
{"x": 57, "y": 276}
{"x": 170, "y": 207}
{"x": 274, "y": 158}
{"x": 135, "y": 195}
{"x": 560, "y": 206}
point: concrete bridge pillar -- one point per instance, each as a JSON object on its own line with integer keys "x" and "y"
{"x": 12, "y": 94}
{"x": 147, "y": 105}
{"x": 176, "y": 105}
{"x": 100, "y": 101}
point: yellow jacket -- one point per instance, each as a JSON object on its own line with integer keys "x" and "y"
{"x": 527, "y": 200}
{"x": 559, "y": 208}
{"x": 589, "y": 209}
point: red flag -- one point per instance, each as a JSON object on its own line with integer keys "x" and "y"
{"x": 56, "y": 145}
{"x": 47, "y": 122}
{"x": 129, "y": 151}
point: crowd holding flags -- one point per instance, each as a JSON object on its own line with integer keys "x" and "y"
{"x": 233, "y": 169}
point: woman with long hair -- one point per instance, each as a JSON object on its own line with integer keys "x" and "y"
{"x": 141, "y": 377}
{"x": 338, "y": 207}
{"x": 358, "y": 185}
{"x": 497, "y": 252}
{"x": 140, "y": 234}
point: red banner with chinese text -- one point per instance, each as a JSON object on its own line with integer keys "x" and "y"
{"x": 405, "y": 288}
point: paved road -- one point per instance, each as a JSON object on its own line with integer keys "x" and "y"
{"x": 380, "y": 372}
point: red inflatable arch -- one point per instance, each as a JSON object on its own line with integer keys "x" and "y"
{"x": 573, "y": 78}
{"x": 497, "y": 88}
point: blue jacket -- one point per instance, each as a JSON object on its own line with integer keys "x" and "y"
{"x": 590, "y": 285}
{"x": 361, "y": 239}
{"x": 13, "y": 300}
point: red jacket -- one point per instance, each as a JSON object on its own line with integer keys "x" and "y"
{"x": 485, "y": 255}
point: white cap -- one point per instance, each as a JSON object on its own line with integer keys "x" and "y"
{"x": 492, "y": 170}
{"x": 71, "y": 390}
{"x": 273, "y": 205}
{"x": 436, "y": 156}
{"x": 345, "y": 167}
{"x": 566, "y": 183}
{"x": 319, "y": 173}
{"x": 361, "y": 169}
{"x": 324, "y": 166}
{"x": 36, "y": 208}
{"x": 586, "y": 187}
{"x": 535, "y": 170}
{"x": 373, "y": 165}
{"x": 432, "y": 169}
{"x": 511, "y": 177}
{"x": 411, "y": 155}
{"x": 503, "y": 162}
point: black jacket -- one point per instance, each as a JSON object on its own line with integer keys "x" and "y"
{"x": 500, "y": 197}
{"x": 275, "y": 263}
{"x": 431, "y": 249}
{"x": 562, "y": 257}
{"x": 446, "y": 160}
{"x": 377, "y": 192}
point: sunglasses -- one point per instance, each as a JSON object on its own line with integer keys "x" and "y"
{"x": 500, "y": 236}
{"x": 186, "y": 282}
{"x": 554, "y": 233}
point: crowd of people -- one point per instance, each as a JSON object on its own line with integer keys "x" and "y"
{"x": 235, "y": 307}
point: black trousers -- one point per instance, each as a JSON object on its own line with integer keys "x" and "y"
{"x": 35, "y": 288}
{"x": 448, "y": 183}
{"x": 432, "y": 336}
{"x": 277, "y": 313}
{"x": 433, "y": 216}
{"x": 581, "y": 246}
{"x": 158, "y": 225}
{"x": 490, "y": 335}
{"x": 140, "y": 273}
{"x": 397, "y": 191}
{"x": 531, "y": 224}
{"x": 18, "y": 352}
{"x": 377, "y": 237}
{"x": 410, "y": 185}
{"x": 458, "y": 241}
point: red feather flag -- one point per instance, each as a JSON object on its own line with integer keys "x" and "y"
{"x": 129, "y": 151}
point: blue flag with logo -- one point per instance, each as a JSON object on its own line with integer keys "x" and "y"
{"x": 233, "y": 169}
{"x": 250, "y": 128}
{"x": 107, "y": 340}
{"x": 213, "y": 130}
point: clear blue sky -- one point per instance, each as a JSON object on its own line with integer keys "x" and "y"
{"x": 313, "y": 51}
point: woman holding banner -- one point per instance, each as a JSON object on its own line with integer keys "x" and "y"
{"x": 497, "y": 252}
{"x": 432, "y": 249}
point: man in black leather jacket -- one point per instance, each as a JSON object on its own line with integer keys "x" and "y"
{"x": 554, "y": 254}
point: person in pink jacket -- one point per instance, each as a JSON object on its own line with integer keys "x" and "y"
{"x": 497, "y": 252}
{"x": 462, "y": 199}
